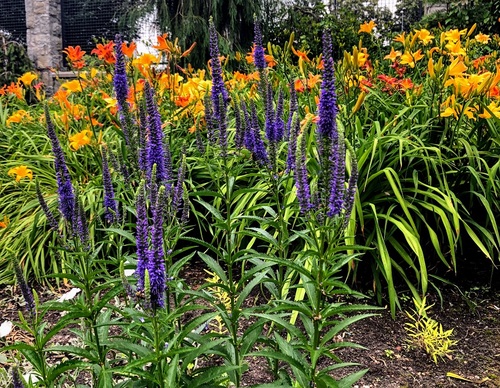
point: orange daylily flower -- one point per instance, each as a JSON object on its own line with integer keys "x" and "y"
{"x": 15, "y": 89}
{"x": 74, "y": 54}
{"x": 367, "y": 27}
{"x": 145, "y": 60}
{"x": 313, "y": 80}
{"x": 271, "y": 62}
{"x": 406, "y": 84}
{"x": 105, "y": 52}
{"x": 163, "y": 43}
{"x": 21, "y": 172}
{"x": 299, "y": 85}
{"x": 301, "y": 54}
{"x": 80, "y": 139}
{"x": 5, "y": 222}
{"x": 128, "y": 49}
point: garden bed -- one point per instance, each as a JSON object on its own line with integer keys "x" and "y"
{"x": 474, "y": 316}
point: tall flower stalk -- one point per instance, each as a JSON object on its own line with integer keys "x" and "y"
{"x": 64, "y": 186}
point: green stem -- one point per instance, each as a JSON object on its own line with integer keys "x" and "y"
{"x": 158, "y": 349}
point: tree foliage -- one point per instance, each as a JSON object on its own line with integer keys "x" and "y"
{"x": 188, "y": 20}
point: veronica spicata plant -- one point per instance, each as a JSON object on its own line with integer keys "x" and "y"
{"x": 325, "y": 207}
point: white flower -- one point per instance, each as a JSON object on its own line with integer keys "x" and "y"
{"x": 69, "y": 295}
{"x": 5, "y": 328}
{"x": 31, "y": 377}
{"x": 129, "y": 272}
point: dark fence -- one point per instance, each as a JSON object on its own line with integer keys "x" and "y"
{"x": 86, "y": 21}
{"x": 13, "y": 19}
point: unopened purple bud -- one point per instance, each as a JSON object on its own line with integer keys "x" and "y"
{"x": 301, "y": 179}
{"x": 16, "y": 379}
{"x": 25, "y": 289}
{"x": 239, "y": 135}
{"x": 141, "y": 237}
{"x": 54, "y": 225}
{"x": 294, "y": 107}
{"x": 110, "y": 206}
{"x": 292, "y": 143}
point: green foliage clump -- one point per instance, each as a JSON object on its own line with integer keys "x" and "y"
{"x": 428, "y": 334}
{"x": 14, "y": 60}
{"x": 464, "y": 14}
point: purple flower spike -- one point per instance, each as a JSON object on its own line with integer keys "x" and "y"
{"x": 141, "y": 236}
{"x": 64, "y": 186}
{"x": 110, "y": 206}
{"x": 218, "y": 87}
{"x": 156, "y": 263}
{"x": 143, "y": 136}
{"x": 258, "y": 54}
{"x": 301, "y": 180}
{"x": 248, "y": 133}
{"x": 259, "y": 150}
{"x": 327, "y": 124}
{"x": 155, "y": 147}
{"x": 120, "y": 77}
{"x": 279, "y": 124}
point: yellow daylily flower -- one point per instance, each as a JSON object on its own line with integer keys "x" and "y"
{"x": 424, "y": 36}
{"x": 80, "y": 139}
{"x": 454, "y": 35}
{"x": 393, "y": 55}
{"x": 482, "y": 38}
{"x": 457, "y": 67}
{"x": 28, "y": 78}
{"x": 367, "y": 27}
{"x": 411, "y": 58}
{"x": 18, "y": 117}
{"x": 21, "y": 172}
{"x": 494, "y": 108}
{"x": 400, "y": 38}
{"x": 72, "y": 86}
{"x": 455, "y": 48}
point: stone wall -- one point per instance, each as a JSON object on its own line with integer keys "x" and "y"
{"x": 44, "y": 37}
